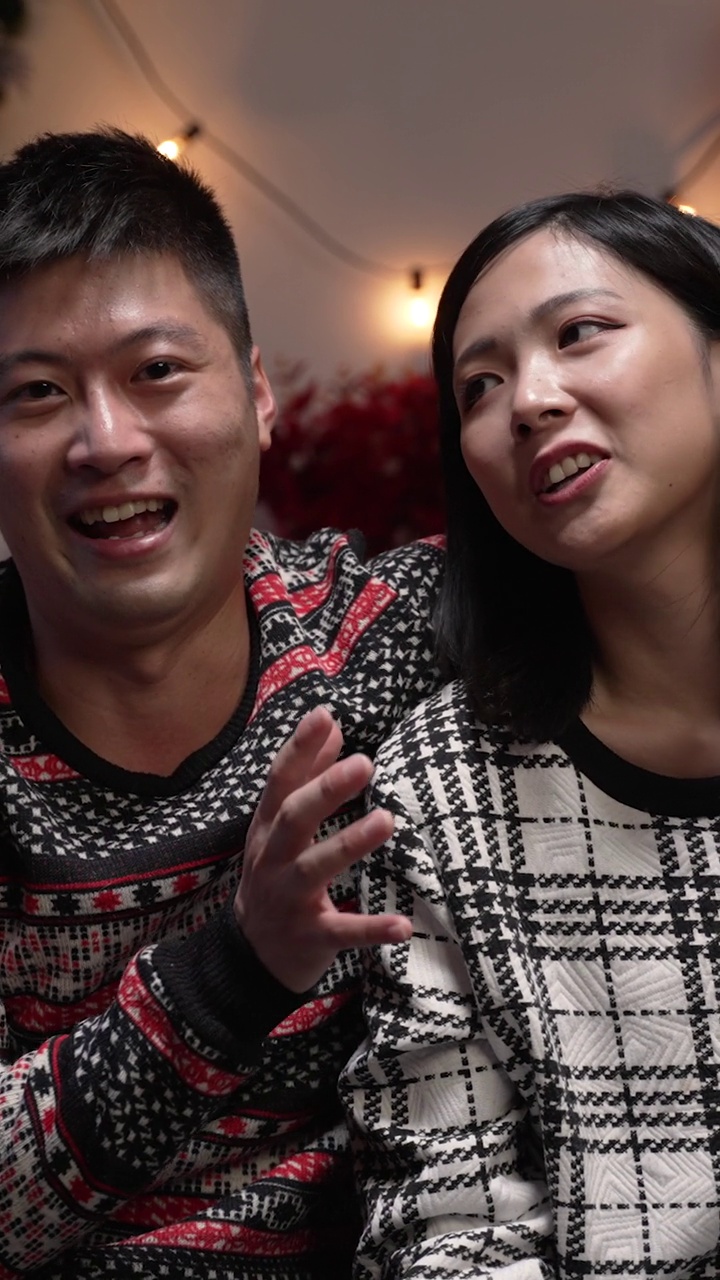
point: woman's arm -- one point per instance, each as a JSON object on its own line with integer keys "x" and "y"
{"x": 443, "y": 1139}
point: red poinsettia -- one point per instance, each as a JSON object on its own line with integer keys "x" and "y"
{"x": 363, "y": 456}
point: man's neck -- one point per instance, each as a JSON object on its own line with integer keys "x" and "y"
{"x": 147, "y": 707}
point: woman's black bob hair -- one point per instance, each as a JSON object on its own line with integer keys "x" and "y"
{"x": 510, "y": 624}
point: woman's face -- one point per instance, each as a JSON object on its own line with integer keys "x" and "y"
{"x": 589, "y": 405}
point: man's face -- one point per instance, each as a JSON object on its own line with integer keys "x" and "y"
{"x": 129, "y": 449}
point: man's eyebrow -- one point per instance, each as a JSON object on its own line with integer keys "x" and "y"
{"x": 30, "y": 355}
{"x": 163, "y": 332}
{"x": 148, "y": 333}
{"x": 486, "y": 345}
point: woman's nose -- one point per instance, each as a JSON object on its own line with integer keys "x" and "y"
{"x": 540, "y": 397}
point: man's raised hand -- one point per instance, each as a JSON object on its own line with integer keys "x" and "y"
{"x": 282, "y": 902}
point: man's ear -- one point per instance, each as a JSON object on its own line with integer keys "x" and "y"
{"x": 265, "y": 406}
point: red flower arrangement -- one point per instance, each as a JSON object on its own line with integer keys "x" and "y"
{"x": 362, "y": 456}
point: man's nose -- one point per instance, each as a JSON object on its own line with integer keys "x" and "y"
{"x": 110, "y": 432}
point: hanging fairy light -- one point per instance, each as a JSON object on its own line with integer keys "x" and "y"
{"x": 174, "y": 147}
{"x": 419, "y": 310}
{"x": 411, "y": 318}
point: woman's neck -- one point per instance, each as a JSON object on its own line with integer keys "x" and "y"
{"x": 656, "y": 679}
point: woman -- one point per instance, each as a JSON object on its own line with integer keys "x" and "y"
{"x": 539, "y": 1092}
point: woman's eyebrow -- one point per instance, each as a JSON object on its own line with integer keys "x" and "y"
{"x": 485, "y": 345}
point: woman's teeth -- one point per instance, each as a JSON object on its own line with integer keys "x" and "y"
{"x": 569, "y": 466}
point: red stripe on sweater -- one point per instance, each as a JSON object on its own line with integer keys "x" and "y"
{"x": 312, "y": 1014}
{"x": 228, "y": 1237}
{"x": 43, "y": 768}
{"x": 271, "y": 588}
{"x": 194, "y": 1070}
{"x": 306, "y": 1167}
{"x": 167, "y": 872}
{"x": 363, "y": 612}
{"x": 48, "y": 1017}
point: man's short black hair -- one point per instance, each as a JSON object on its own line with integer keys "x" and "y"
{"x": 105, "y": 193}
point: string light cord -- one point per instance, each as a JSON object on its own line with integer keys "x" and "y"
{"x": 265, "y": 186}
{"x": 704, "y": 162}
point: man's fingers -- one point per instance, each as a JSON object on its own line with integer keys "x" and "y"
{"x": 295, "y": 827}
{"x": 314, "y": 745}
{"x": 345, "y": 930}
{"x": 321, "y": 862}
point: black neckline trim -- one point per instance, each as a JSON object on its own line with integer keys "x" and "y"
{"x": 41, "y": 720}
{"x": 653, "y": 793}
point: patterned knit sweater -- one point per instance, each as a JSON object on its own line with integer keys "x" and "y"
{"x": 149, "y": 1125}
{"x": 559, "y": 1002}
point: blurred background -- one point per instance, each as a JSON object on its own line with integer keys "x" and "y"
{"x": 356, "y": 149}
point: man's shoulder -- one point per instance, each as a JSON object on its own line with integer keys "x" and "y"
{"x": 360, "y": 629}
{"x": 332, "y": 565}
{"x": 415, "y": 568}
{"x": 312, "y": 556}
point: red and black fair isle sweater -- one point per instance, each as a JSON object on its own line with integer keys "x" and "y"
{"x": 165, "y": 1108}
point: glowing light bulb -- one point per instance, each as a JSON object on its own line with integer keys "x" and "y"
{"x": 170, "y": 148}
{"x": 675, "y": 200}
{"x": 419, "y": 311}
{"x": 174, "y": 147}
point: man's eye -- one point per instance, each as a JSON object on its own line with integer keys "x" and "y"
{"x": 157, "y": 370}
{"x": 477, "y": 387}
{"x": 40, "y": 389}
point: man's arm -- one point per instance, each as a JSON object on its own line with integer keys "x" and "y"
{"x": 91, "y": 1118}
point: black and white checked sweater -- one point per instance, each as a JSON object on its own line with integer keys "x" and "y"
{"x": 147, "y": 1129}
{"x": 560, "y": 996}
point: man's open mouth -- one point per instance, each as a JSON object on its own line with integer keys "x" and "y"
{"x": 134, "y": 519}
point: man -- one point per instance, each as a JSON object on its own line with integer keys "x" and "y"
{"x": 168, "y": 1092}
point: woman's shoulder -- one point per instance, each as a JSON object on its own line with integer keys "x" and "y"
{"x": 442, "y": 727}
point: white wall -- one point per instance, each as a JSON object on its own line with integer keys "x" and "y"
{"x": 401, "y": 125}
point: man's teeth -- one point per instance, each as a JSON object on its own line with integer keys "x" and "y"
{"x": 110, "y": 515}
{"x": 569, "y": 466}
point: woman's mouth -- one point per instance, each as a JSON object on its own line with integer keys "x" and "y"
{"x": 562, "y": 472}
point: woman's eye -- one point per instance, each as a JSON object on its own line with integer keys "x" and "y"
{"x": 475, "y": 388}
{"x": 581, "y": 330}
